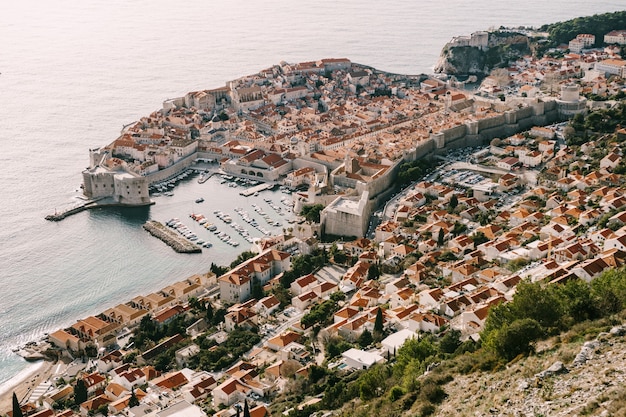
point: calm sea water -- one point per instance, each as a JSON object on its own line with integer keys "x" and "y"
{"x": 72, "y": 73}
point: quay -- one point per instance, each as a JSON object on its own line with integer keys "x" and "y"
{"x": 257, "y": 188}
{"x": 205, "y": 177}
{"x": 60, "y": 215}
{"x": 86, "y": 205}
{"x": 170, "y": 238}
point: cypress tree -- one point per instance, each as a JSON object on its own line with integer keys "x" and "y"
{"x": 133, "y": 402}
{"x": 246, "y": 410}
{"x": 80, "y": 392}
{"x": 17, "y": 410}
{"x": 378, "y": 323}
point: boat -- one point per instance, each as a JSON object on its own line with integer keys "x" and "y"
{"x": 199, "y": 200}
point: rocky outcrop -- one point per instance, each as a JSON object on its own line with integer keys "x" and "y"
{"x": 461, "y": 60}
{"x": 479, "y": 54}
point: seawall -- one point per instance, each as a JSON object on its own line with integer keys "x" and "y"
{"x": 170, "y": 238}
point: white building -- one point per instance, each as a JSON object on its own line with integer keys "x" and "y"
{"x": 612, "y": 66}
{"x": 616, "y": 36}
{"x": 181, "y": 409}
{"x": 394, "y": 342}
{"x": 360, "y": 359}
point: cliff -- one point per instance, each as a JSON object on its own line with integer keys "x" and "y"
{"x": 481, "y": 52}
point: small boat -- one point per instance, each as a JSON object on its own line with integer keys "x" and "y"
{"x": 199, "y": 200}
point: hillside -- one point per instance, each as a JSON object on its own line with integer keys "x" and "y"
{"x": 591, "y": 381}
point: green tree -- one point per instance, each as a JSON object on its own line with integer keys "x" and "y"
{"x": 479, "y": 238}
{"x": 312, "y": 212}
{"x": 373, "y": 272}
{"x": 80, "y": 392}
{"x": 242, "y": 257}
{"x": 133, "y": 401}
{"x": 515, "y": 339}
{"x": 103, "y": 409}
{"x": 17, "y": 410}
{"x": 365, "y": 339}
{"x": 454, "y": 202}
{"x": 218, "y": 270}
{"x": 246, "y": 410}
{"x": 450, "y": 341}
{"x": 378, "y": 322}
{"x": 373, "y": 381}
{"x": 440, "y": 237}
{"x": 414, "y": 350}
{"x": 458, "y": 228}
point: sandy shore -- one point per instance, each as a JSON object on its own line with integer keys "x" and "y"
{"x": 24, "y": 383}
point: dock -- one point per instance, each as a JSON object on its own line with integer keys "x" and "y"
{"x": 257, "y": 188}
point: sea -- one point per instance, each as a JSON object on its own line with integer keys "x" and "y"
{"x": 72, "y": 73}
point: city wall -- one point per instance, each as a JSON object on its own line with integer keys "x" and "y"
{"x": 472, "y": 133}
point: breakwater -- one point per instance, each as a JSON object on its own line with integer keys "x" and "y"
{"x": 170, "y": 238}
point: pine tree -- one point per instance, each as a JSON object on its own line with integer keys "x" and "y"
{"x": 440, "y": 237}
{"x": 246, "y": 410}
{"x": 17, "y": 410}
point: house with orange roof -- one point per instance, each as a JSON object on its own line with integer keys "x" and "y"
{"x": 109, "y": 361}
{"x": 134, "y": 377}
{"x": 305, "y": 300}
{"x": 325, "y": 289}
{"x": 431, "y": 298}
{"x": 95, "y": 330}
{"x": 344, "y": 314}
{"x": 199, "y": 389}
{"x": 167, "y": 315}
{"x": 424, "y": 322}
{"x": 355, "y": 276}
{"x": 183, "y": 290}
{"x": 117, "y": 406}
{"x": 303, "y": 284}
{"x": 240, "y": 317}
{"x": 279, "y": 342}
{"x": 115, "y": 391}
{"x": 506, "y": 284}
{"x": 455, "y": 306}
{"x": 267, "y": 305}
{"x": 94, "y": 382}
{"x": 590, "y": 268}
{"x": 124, "y": 315}
{"x": 473, "y": 320}
{"x": 402, "y": 297}
{"x": 94, "y": 404}
{"x": 236, "y": 284}
{"x": 65, "y": 340}
{"x": 357, "y": 247}
{"x": 354, "y": 327}
{"x": 169, "y": 382}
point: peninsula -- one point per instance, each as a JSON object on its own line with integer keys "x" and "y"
{"x": 502, "y": 238}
